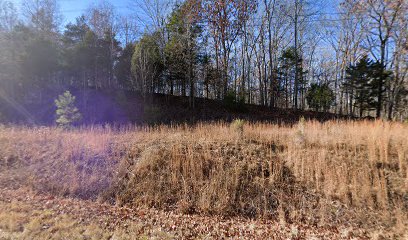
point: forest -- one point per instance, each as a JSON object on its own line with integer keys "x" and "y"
{"x": 289, "y": 54}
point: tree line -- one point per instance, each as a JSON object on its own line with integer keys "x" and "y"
{"x": 277, "y": 53}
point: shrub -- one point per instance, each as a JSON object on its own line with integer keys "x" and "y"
{"x": 238, "y": 126}
{"x": 67, "y": 113}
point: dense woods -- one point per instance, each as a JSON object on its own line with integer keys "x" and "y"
{"x": 278, "y": 53}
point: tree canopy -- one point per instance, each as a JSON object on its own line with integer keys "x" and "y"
{"x": 286, "y": 54}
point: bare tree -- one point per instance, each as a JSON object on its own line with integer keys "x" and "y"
{"x": 102, "y": 19}
{"x": 8, "y": 16}
{"x": 397, "y": 87}
{"x": 129, "y": 30}
{"x": 225, "y": 19}
{"x": 43, "y": 15}
{"x": 381, "y": 19}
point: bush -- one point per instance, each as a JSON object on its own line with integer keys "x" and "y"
{"x": 67, "y": 113}
{"x": 238, "y": 126}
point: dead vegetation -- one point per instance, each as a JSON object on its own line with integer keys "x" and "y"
{"x": 29, "y": 216}
{"x": 46, "y": 217}
{"x": 324, "y": 174}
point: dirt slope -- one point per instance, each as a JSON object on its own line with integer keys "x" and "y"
{"x": 122, "y": 107}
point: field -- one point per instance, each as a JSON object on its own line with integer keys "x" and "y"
{"x": 332, "y": 180}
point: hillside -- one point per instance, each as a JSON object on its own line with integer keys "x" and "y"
{"x": 311, "y": 180}
{"x": 123, "y": 107}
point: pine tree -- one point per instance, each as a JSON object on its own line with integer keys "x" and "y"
{"x": 287, "y": 76}
{"x": 67, "y": 113}
{"x": 320, "y": 96}
{"x": 123, "y": 70}
{"x": 362, "y": 82}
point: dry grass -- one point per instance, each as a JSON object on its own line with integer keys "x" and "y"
{"x": 18, "y": 220}
{"x": 326, "y": 173}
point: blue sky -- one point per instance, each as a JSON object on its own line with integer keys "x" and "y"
{"x": 71, "y": 9}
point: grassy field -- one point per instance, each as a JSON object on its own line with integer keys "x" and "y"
{"x": 339, "y": 179}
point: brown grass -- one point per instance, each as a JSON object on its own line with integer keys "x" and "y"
{"x": 326, "y": 173}
{"x": 19, "y": 220}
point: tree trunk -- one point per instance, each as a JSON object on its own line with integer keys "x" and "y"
{"x": 381, "y": 80}
{"x": 296, "y": 56}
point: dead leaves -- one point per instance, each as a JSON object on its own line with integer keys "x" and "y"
{"x": 122, "y": 222}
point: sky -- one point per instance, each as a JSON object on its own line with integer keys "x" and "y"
{"x": 70, "y": 9}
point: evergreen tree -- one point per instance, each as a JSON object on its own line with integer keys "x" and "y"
{"x": 123, "y": 71}
{"x": 89, "y": 59}
{"x": 40, "y": 61}
{"x": 287, "y": 73}
{"x": 362, "y": 83}
{"x": 147, "y": 65}
{"x": 67, "y": 113}
{"x": 320, "y": 96}
{"x": 181, "y": 50}
{"x": 380, "y": 78}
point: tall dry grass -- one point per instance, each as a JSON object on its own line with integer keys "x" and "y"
{"x": 312, "y": 171}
